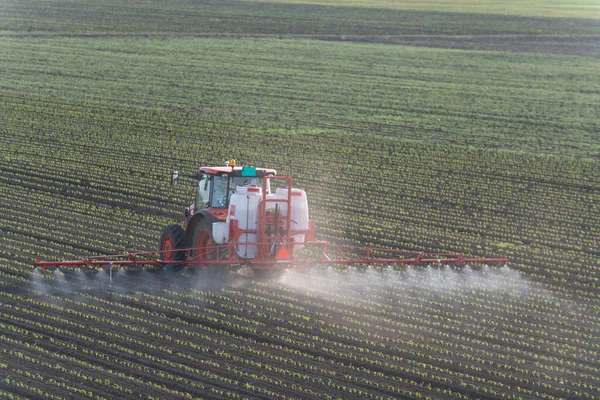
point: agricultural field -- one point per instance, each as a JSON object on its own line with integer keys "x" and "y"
{"x": 531, "y": 102}
{"x": 467, "y": 127}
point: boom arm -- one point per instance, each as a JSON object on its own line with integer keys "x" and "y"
{"x": 326, "y": 254}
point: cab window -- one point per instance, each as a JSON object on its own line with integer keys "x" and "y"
{"x": 220, "y": 198}
{"x": 243, "y": 180}
{"x": 203, "y": 192}
{"x": 224, "y": 187}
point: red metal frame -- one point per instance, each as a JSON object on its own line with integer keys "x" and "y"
{"x": 273, "y": 232}
{"x": 329, "y": 254}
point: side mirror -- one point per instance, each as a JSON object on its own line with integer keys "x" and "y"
{"x": 174, "y": 176}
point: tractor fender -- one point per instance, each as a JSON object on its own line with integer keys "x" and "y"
{"x": 201, "y": 215}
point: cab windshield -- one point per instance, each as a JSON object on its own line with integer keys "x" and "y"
{"x": 224, "y": 187}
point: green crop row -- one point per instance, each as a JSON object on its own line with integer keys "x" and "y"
{"x": 396, "y": 194}
{"x": 532, "y": 102}
{"x": 444, "y": 340}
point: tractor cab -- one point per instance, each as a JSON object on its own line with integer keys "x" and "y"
{"x": 216, "y": 185}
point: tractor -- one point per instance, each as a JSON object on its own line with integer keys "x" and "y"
{"x": 237, "y": 219}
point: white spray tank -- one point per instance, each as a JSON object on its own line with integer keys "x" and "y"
{"x": 299, "y": 217}
{"x": 244, "y": 208}
{"x": 220, "y": 232}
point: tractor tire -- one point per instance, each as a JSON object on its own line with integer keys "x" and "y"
{"x": 172, "y": 239}
{"x": 201, "y": 239}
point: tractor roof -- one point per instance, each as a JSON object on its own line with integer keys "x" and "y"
{"x": 236, "y": 171}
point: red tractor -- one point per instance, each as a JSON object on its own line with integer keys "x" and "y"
{"x": 237, "y": 219}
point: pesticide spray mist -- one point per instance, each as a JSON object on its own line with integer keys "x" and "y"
{"x": 431, "y": 279}
{"x": 73, "y": 283}
{"x": 325, "y": 280}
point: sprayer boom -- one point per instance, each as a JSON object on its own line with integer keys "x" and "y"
{"x": 316, "y": 253}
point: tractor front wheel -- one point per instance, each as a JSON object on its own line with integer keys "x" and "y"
{"x": 171, "y": 241}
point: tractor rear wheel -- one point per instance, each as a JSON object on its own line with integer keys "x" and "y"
{"x": 171, "y": 240}
{"x": 202, "y": 250}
